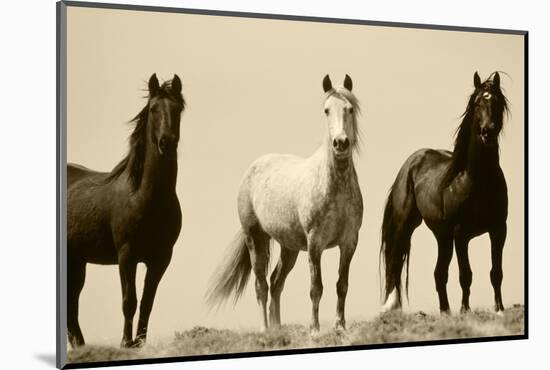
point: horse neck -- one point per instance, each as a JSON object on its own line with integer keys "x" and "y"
{"x": 334, "y": 173}
{"x": 481, "y": 160}
{"x": 159, "y": 175}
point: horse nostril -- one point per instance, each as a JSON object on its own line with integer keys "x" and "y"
{"x": 340, "y": 144}
{"x": 345, "y": 144}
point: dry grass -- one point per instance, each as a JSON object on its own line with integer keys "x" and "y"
{"x": 393, "y": 327}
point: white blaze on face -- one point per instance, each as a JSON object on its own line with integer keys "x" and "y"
{"x": 339, "y": 114}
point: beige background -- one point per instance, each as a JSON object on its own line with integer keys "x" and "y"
{"x": 253, "y": 87}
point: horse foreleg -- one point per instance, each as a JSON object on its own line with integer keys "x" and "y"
{"x": 76, "y": 274}
{"x": 498, "y": 237}
{"x": 316, "y": 290}
{"x": 346, "y": 254}
{"x": 278, "y": 277}
{"x": 464, "y": 270}
{"x": 127, "y": 269}
{"x": 441, "y": 273}
{"x": 152, "y": 280}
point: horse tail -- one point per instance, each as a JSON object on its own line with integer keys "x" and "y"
{"x": 395, "y": 246}
{"x": 233, "y": 273}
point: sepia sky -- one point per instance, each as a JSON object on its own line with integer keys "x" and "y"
{"x": 254, "y": 87}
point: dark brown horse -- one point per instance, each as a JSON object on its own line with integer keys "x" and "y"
{"x": 129, "y": 215}
{"x": 459, "y": 195}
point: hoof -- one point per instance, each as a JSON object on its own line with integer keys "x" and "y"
{"x": 446, "y": 312}
{"x": 76, "y": 342}
{"x": 139, "y": 342}
{"x": 421, "y": 314}
{"x": 465, "y": 310}
{"x": 393, "y": 302}
{"x": 340, "y": 326}
{"x": 275, "y": 326}
{"x": 125, "y": 343}
{"x": 314, "y": 331}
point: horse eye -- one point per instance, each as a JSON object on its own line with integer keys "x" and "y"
{"x": 351, "y": 110}
{"x": 326, "y": 110}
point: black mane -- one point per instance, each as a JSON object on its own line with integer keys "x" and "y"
{"x": 136, "y": 154}
{"x": 463, "y": 132}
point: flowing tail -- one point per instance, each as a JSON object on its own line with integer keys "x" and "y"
{"x": 397, "y": 227}
{"x": 233, "y": 273}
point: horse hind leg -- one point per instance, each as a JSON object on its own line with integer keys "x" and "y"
{"x": 76, "y": 274}
{"x": 398, "y": 228}
{"x": 286, "y": 262}
{"x": 257, "y": 242}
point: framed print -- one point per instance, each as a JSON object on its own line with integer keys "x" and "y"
{"x": 235, "y": 184}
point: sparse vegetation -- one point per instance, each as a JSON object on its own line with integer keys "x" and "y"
{"x": 392, "y": 327}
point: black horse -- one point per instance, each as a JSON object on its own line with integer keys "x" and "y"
{"x": 459, "y": 195}
{"x": 129, "y": 215}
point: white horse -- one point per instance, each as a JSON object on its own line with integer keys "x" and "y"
{"x": 307, "y": 205}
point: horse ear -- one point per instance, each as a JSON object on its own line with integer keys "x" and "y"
{"x": 327, "y": 84}
{"x": 348, "y": 84}
{"x": 153, "y": 85}
{"x": 496, "y": 80}
{"x": 477, "y": 80}
{"x": 176, "y": 85}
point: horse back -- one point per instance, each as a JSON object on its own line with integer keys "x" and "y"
{"x": 76, "y": 172}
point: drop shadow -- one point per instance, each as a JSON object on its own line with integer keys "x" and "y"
{"x": 47, "y": 358}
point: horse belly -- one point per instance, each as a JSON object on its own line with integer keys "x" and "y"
{"x": 96, "y": 248}
{"x": 103, "y": 255}
{"x": 476, "y": 221}
{"x": 274, "y": 212}
{"x": 89, "y": 236}
{"x": 286, "y": 232}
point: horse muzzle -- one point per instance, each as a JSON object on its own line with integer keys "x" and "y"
{"x": 489, "y": 134}
{"x": 167, "y": 146}
{"x": 341, "y": 146}
{"x": 489, "y": 137}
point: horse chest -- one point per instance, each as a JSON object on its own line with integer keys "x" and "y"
{"x": 335, "y": 220}
{"x": 148, "y": 227}
{"x": 482, "y": 210}
{"x": 473, "y": 203}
